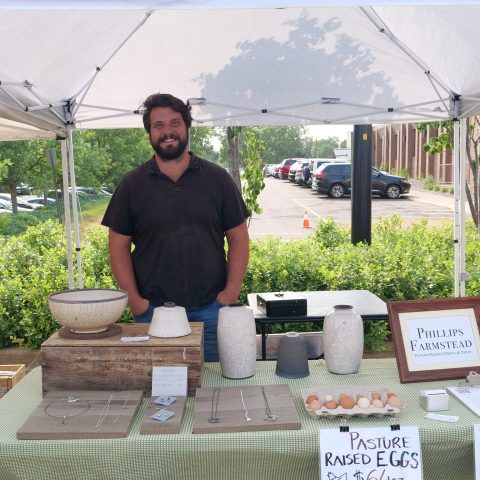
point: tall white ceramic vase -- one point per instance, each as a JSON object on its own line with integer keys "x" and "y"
{"x": 343, "y": 340}
{"x": 237, "y": 345}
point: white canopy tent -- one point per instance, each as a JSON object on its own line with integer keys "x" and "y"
{"x": 91, "y": 64}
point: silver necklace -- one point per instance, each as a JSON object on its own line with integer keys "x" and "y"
{"x": 269, "y": 416}
{"x": 121, "y": 411}
{"x": 104, "y": 413}
{"x": 244, "y": 407}
{"x": 214, "y": 408}
{"x": 74, "y": 402}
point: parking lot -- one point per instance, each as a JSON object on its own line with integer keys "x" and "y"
{"x": 284, "y": 203}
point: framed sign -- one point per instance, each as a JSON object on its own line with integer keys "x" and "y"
{"x": 435, "y": 339}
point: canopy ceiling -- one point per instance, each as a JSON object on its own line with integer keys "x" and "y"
{"x": 304, "y": 62}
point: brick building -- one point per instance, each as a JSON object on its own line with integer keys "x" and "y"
{"x": 399, "y": 147}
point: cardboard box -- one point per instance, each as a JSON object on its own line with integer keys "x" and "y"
{"x": 10, "y": 375}
{"x": 87, "y": 363}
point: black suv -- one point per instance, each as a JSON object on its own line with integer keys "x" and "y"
{"x": 335, "y": 179}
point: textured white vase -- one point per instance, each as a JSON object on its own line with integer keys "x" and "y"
{"x": 343, "y": 340}
{"x": 237, "y": 345}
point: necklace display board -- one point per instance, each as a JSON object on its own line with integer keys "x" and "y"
{"x": 150, "y": 426}
{"x": 112, "y": 364}
{"x": 82, "y": 414}
{"x": 245, "y": 409}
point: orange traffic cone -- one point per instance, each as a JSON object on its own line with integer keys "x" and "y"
{"x": 306, "y": 222}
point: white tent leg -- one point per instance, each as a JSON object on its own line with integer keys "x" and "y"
{"x": 74, "y": 206}
{"x": 459, "y": 156}
{"x": 66, "y": 205}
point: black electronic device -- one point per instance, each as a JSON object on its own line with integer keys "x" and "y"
{"x": 281, "y": 304}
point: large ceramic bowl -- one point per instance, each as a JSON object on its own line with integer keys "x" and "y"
{"x": 89, "y": 310}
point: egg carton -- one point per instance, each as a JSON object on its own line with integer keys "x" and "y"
{"x": 356, "y": 411}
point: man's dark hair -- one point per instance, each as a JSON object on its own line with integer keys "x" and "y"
{"x": 165, "y": 100}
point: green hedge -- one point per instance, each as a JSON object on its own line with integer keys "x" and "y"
{"x": 402, "y": 263}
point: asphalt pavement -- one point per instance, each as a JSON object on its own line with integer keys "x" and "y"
{"x": 284, "y": 204}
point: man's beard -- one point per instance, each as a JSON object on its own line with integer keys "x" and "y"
{"x": 171, "y": 152}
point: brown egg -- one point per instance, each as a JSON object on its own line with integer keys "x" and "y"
{"x": 376, "y": 395}
{"x": 310, "y": 398}
{"x": 331, "y": 404}
{"x": 377, "y": 403}
{"x": 395, "y": 402}
{"x": 343, "y": 395}
{"x": 391, "y": 394}
{"x": 314, "y": 405}
{"x": 347, "y": 402}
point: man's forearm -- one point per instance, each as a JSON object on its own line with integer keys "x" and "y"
{"x": 122, "y": 269}
{"x": 237, "y": 262}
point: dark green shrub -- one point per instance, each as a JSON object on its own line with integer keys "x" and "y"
{"x": 401, "y": 264}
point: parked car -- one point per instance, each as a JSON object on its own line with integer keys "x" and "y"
{"x": 295, "y": 168}
{"x": 8, "y": 205}
{"x": 40, "y": 201}
{"x": 284, "y": 168}
{"x": 268, "y": 169}
{"x": 304, "y": 177}
{"x": 21, "y": 203}
{"x": 335, "y": 179}
{"x": 4, "y": 208}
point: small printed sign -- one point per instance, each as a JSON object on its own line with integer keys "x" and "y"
{"x": 370, "y": 454}
{"x": 170, "y": 381}
{"x": 476, "y": 442}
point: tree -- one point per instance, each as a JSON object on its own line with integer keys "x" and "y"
{"x": 323, "y": 147}
{"x": 444, "y": 141}
{"x": 102, "y": 157}
{"x": 233, "y": 140}
{"x": 201, "y": 143}
{"x": 23, "y": 162}
{"x": 253, "y": 182}
{"x": 283, "y": 142}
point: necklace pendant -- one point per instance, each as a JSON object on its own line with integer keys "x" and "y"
{"x": 64, "y": 420}
{"x": 214, "y": 420}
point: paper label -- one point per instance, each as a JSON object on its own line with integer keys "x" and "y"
{"x": 170, "y": 381}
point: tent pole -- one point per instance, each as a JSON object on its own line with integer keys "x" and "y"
{"x": 459, "y": 156}
{"x": 456, "y": 192}
{"x": 462, "y": 198}
{"x": 66, "y": 206}
{"x": 74, "y": 205}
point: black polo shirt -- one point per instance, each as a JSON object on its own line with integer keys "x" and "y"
{"x": 178, "y": 229}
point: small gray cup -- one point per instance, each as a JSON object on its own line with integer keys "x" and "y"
{"x": 292, "y": 358}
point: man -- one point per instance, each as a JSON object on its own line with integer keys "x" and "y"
{"x": 176, "y": 209}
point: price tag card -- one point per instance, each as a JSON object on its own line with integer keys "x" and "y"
{"x": 370, "y": 454}
{"x": 476, "y": 442}
{"x": 170, "y": 381}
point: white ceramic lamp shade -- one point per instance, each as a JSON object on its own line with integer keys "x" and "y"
{"x": 237, "y": 343}
{"x": 169, "y": 321}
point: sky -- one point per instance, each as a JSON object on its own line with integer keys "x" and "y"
{"x": 325, "y": 131}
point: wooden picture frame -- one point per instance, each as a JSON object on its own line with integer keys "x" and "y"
{"x": 435, "y": 339}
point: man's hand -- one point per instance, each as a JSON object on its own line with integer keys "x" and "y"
{"x": 138, "y": 306}
{"x": 226, "y": 297}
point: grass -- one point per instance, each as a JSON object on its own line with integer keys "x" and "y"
{"x": 91, "y": 211}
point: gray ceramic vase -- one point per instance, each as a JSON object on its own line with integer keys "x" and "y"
{"x": 292, "y": 358}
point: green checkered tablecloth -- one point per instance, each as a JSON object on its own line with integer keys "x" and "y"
{"x": 282, "y": 454}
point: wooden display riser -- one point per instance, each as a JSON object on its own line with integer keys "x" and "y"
{"x": 110, "y": 364}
